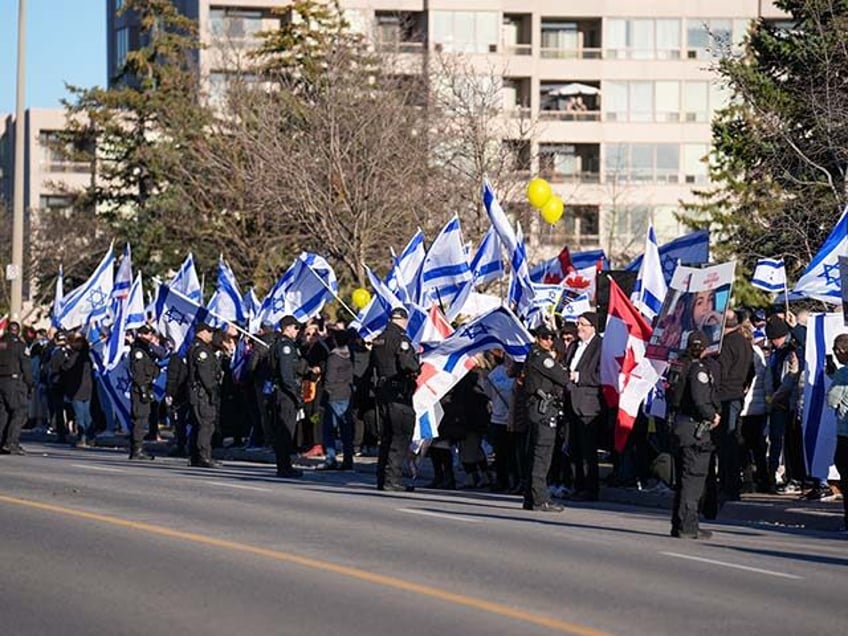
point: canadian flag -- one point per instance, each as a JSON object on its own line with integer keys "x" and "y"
{"x": 627, "y": 376}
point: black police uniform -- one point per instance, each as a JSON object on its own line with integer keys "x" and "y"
{"x": 544, "y": 382}
{"x": 204, "y": 382}
{"x": 693, "y": 445}
{"x": 397, "y": 366}
{"x": 15, "y": 381}
{"x": 176, "y": 388}
{"x": 143, "y": 371}
{"x": 289, "y": 371}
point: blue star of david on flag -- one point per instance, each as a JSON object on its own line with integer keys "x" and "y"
{"x": 278, "y": 305}
{"x": 475, "y": 331}
{"x": 820, "y": 280}
{"x": 124, "y": 383}
{"x": 96, "y": 298}
{"x": 175, "y": 316}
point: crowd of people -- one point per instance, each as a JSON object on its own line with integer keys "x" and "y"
{"x": 534, "y": 428}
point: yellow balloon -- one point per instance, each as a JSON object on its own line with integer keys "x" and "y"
{"x": 360, "y": 297}
{"x": 538, "y": 192}
{"x": 552, "y": 210}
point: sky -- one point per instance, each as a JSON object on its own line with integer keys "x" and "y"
{"x": 66, "y": 42}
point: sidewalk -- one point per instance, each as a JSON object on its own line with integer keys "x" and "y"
{"x": 786, "y": 511}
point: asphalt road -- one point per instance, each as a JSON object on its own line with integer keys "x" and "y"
{"x": 93, "y": 544}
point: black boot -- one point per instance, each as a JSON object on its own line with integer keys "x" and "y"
{"x": 137, "y": 452}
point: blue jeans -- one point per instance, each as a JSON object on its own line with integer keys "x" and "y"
{"x": 337, "y": 415}
{"x": 82, "y": 415}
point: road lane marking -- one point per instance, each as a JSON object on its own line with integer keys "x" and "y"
{"x": 315, "y": 564}
{"x": 103, "y": 468}
{"x": 732, "y": 565}
{"x": 427, "y": 513}
{"x": 239, "y": 486}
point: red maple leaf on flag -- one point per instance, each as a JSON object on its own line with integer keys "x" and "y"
{"x": 577, "y": 281}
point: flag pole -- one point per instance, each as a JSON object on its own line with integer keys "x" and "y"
{"x": 785, "y": 291}
{"x": 171, "y": 290}
{"x": 330, "y": 289}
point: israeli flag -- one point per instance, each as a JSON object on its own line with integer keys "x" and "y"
{"x": 445, "y": 275}
{"x": 129, "y": 314}
{"x": 177, "y": 315}
{"x": 58, "y": 296}
{"x": 770, "y": 275}
{"x": 819, "y": 423}
{"x": 374, "y": 317}
{"x": 124, "y": 277}
{"x": 252, "y": 307}
{"x": 134, "y": 301}
{"x": 186, "y": 281}
{"x": 521, "y": 293}
{"x": 226, "y": 302}
{"x": 689, "y": 249}
{"x": 90, "y": 300}
{"x": 546, "y": 295}
{"x": 116, "y": 382}
{"x": 405, "y": 276}
{"x": 650, "y": 287}
{"x": 820, "y": 280}
{"x": 499, "y": 219}
{"x": 575, "y": 307}
{"x": 301, "y": 291}
{"x": 487, "y": 264}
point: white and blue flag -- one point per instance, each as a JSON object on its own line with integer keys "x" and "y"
{"x": 124, "y": 277}
{"x": 575, "y": 307}
{"x": 301, "y": 291}
{"x": 820, "y": 280}
{"x": 177, "y": 316}
{"x": 129, "y": 314}
{"x": 58, "y": 296}
{"x": 445, "y": 274}
{"x": 186, "y": 281}
{"x": 650, "y": 287}
{"x": 546, "y": 295}
{"x": 91, "y": 300}
{"x": 819, "y": 423}
{"x": 487, "y": 264}
{"x": 521, "y": 292}
{"x": 499, "y": 219}
{"x": 374, "y": 317}
{"x": 252, "y": 308}
{"x": 226, "y": 302}
{"x": 689, "y": 249}
{"x": 770, "y": 275}
{"x": 405, "y": 276}
{"x": 446, "y": 363}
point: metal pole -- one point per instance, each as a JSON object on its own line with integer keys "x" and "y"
{"x": 18, "y": 203}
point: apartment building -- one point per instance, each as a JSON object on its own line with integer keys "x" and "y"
{"x": 621, "y": 93}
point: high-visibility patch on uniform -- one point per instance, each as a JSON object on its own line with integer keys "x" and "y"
{"x": 703, "y": 377}
{"x": 404, "y": 345}
{"x": 138, "y": 355}
{"x": 202, "y": 355}
{"x": 286, "y": 350}
{"x": 548, "y": 363}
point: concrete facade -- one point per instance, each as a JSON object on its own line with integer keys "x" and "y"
{"x": 621, "y": 94}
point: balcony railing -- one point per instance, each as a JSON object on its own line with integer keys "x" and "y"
{"x": 65, "y": 166}
{"x": 399, "y": 46}
{"x": 570, "y": 115}
{"x": 571, "y": 177}
{"x": 572, "y": 54}
{"x": 642, "y": 54}
{"x": 516, "y": 49}
{"x": 518, "y": 112}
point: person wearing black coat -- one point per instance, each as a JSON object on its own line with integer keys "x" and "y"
{"x": 78, "y": 385}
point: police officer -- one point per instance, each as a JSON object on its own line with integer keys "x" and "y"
{"x": 544, "y": 382}
{"x": 144, "y": 354}
{"x": 396, "y": 366}
{"x": 204, "y": 382}
{"x": 15, "y": 382}
{"x": 697, "y": 415}
{"x": 289, "y": 369}
{"x": 176, "y": 399}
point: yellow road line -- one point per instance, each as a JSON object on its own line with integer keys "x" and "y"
{"x": 286, "y": 557}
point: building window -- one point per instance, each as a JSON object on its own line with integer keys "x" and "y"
{"x": 713, "y": 37}
{"x": 642, "y": 39}
{"x": 630, "y": 222}
{"x": 234, "y": 24}
{"x": 636, "y": 163}
{"x": 122, "y": 47}
{"x": 695, "y": 167}
{"x": 465, "y": 31}
{"x": 56, "y": 203}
